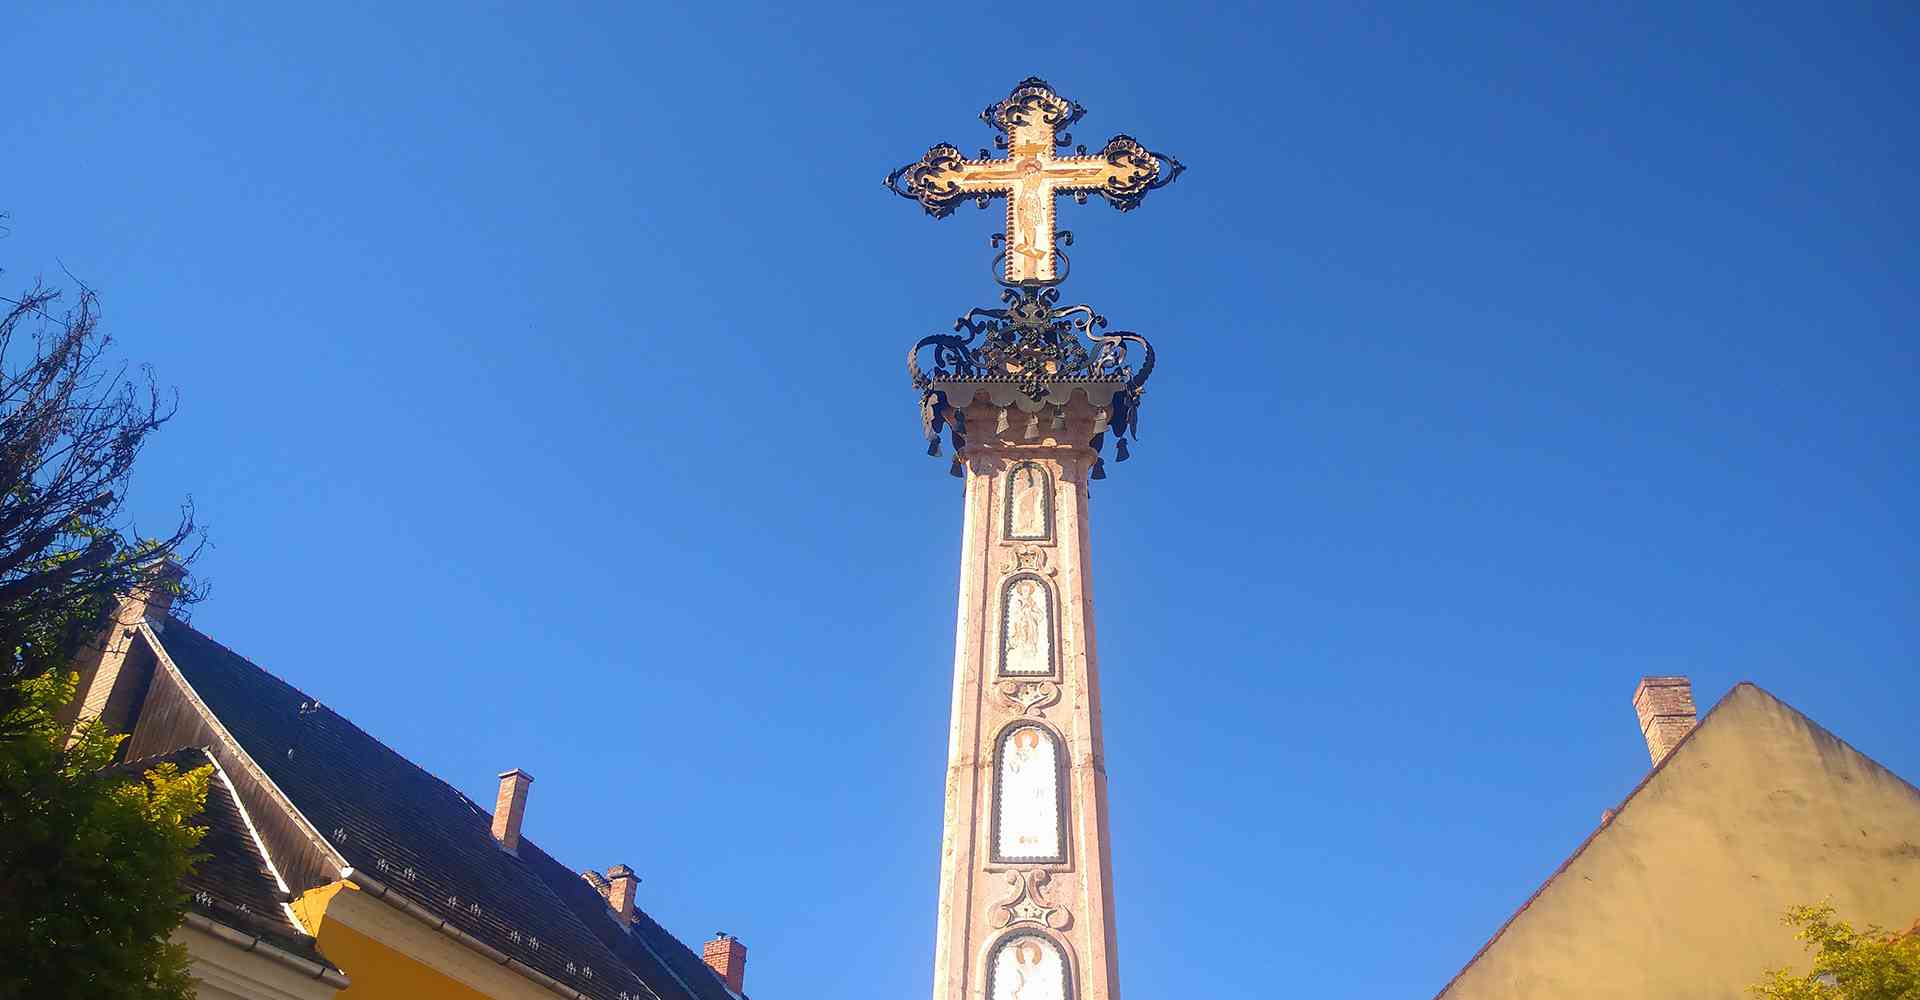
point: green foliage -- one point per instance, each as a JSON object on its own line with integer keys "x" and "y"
{"x": 90, "y": 861}
{"x": 1868, "y": 964}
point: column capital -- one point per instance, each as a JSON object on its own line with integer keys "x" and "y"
{"x": 997, "y": 425}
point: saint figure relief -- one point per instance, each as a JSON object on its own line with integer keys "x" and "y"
{"x": 1027, "y": 644}
{"x": 1028, "y": 502}
{"x": 1029, "y": 967}
{"x": 1028, "y": 824}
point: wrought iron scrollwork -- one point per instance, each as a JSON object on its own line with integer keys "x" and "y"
{"x": 1033, "y": 342}
{"x": 1030, "y": 342}
{"x": 935, "y": 179}
{"x": 1142, "y": 168}
{"x": 931, "y": 181}
{"x": 1033, "y": 98}
{"x": 1040, "y": 347}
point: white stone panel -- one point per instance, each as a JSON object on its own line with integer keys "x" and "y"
{"x": 1029, "y": 502}
{"x": 1029, "y": 796}
{"x": 1027, "y": 628}
{"x": 1029, "y": 967}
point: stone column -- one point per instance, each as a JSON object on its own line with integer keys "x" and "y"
{"x": 1025, "y": 890}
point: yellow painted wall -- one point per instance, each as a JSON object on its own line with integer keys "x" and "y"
{"x": 1680, "y": 896}
{"x": 375, "y": 970}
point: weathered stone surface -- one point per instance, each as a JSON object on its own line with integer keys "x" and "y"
{"x": 1003, "y": 685}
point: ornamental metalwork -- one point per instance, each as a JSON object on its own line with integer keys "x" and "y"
{"x": 1032, "y": 123}
{"x": 1039, "y": 347}
{"x": 1030, "y": 342}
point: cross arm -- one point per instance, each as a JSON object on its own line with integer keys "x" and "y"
{"x": 944, "y": 178}
{"x": 1122, "y": 172}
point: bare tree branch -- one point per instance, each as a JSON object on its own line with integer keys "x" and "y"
{"x": 72, "y": 426}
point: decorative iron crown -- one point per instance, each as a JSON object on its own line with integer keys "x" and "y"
{"x": 1031, "y": 343}
{"x": 1040, "y": 348}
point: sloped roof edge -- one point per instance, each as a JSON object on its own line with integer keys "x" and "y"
{"x": 346, "y": 871}
{"x": 258, "y": 773}
{"x": 226, "y": 917}
{"x": 652, "y": 973}
{"x": 1648, "y": 777}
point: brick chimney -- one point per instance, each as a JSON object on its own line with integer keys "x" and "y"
{"x": 113, "y": 674}
{"x": 622, "y": 886}
{"x": 728, "y": 957}
{"x": 1667, "y": 715}
{"x": 511, "y": 807}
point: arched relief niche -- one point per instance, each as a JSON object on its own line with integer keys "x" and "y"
{"x": 1029, "y": 506}
{"x": 1028, "y": 966}
{"x": 1026, "y": 627}
{"x": 1029, "y": 798}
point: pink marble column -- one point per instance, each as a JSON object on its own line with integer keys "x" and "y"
{"x": 1026, "y": 894}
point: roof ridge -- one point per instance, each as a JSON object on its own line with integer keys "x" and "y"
{"x": 1817, "y": 727}
{"x": 1607, "y": 821}
{"x": 1614, "y": 813}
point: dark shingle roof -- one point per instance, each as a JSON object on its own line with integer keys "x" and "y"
{"x": 233, "y": 882}
{"x": 643, "y": 946}
{"x": 419, "y": 835}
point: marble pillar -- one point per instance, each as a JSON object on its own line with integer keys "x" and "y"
{"x": 1026, "y": 894}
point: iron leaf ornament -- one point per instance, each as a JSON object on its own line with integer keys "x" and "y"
{"x": 1031, "y": 341}
{"x": 1031, "y": 123}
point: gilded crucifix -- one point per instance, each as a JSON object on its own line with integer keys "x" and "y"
{"x": 1032, "y": 122}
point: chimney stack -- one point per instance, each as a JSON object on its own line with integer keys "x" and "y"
{"x": 1667, "y": 715}
{"x": 622, "y": 886}
{"x": 152, "y": 597}
{"x": 511, "y": 807}
{"x": 728, "y": 957}
{"x": 112, "y": 679}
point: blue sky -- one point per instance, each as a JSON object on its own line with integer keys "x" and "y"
{"x": 541, "y": 388}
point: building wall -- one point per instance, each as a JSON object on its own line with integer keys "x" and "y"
{"x": 224, "y": 971}
{"x": 1680, "y": 894}
{"x": 389, "y": 955}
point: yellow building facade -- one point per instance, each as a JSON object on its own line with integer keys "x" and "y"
{"x": 1680, "y": 891}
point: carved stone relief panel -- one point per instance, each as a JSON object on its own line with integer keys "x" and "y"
{"x": 1029, "y": 814}
{"x": 1027, "y": 966}
{"x": 1029, "y": 505}
{"x": 1028, "y": 557}
{"x": 1026, "y": 627}
{"x": 1027, "y": 902}
{"x": 1030, "y": 697}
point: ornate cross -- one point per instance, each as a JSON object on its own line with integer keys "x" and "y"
{"x": 1032, "y": 121}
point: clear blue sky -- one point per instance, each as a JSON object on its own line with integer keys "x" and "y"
{"x": 541, "y": 385}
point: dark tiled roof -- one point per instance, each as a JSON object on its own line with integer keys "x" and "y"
{"x": 649, "y": 950}
{"x": 419, "y": 835}
{"x": 232, "y": 882}
{"x": 643, "y": 945}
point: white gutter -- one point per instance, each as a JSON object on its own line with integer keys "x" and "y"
{"x": 261, "y": 946}
{"x": 381, "y": 891}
